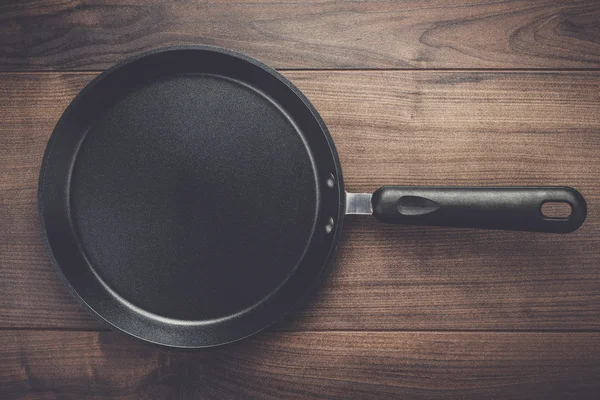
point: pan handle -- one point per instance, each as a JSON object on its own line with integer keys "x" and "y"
{"x": 506, "y": 208}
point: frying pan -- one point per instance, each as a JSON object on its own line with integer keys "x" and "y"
{"x": 191, "y": 197}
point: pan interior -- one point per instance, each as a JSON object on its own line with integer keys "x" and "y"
{"x": 193, "y": 196}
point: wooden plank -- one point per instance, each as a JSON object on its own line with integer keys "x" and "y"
{"x": 403, "y": 127}
{"x": 324, "y": 365}
{"x": 92, "y": 35}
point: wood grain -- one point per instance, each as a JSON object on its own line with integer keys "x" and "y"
{"x": 92, "y": 35}
{"x": 325, "y": 365}
{"x": 403, "y": 127}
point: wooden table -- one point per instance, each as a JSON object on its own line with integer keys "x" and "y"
{"x": 415, "y": 92}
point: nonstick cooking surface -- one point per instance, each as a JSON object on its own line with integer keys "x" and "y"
{"x": 194, "y": 196}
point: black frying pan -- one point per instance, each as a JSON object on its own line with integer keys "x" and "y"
{"x": 190, "y": 197}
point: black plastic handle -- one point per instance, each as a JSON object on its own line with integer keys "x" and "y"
{"x": 507, "y": 208}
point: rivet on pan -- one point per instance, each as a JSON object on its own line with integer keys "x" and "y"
{"x": 329, "y": 226}
{"x": 330, "y": 181}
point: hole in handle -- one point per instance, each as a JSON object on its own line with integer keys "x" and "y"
{"x": 556, "y": 209}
